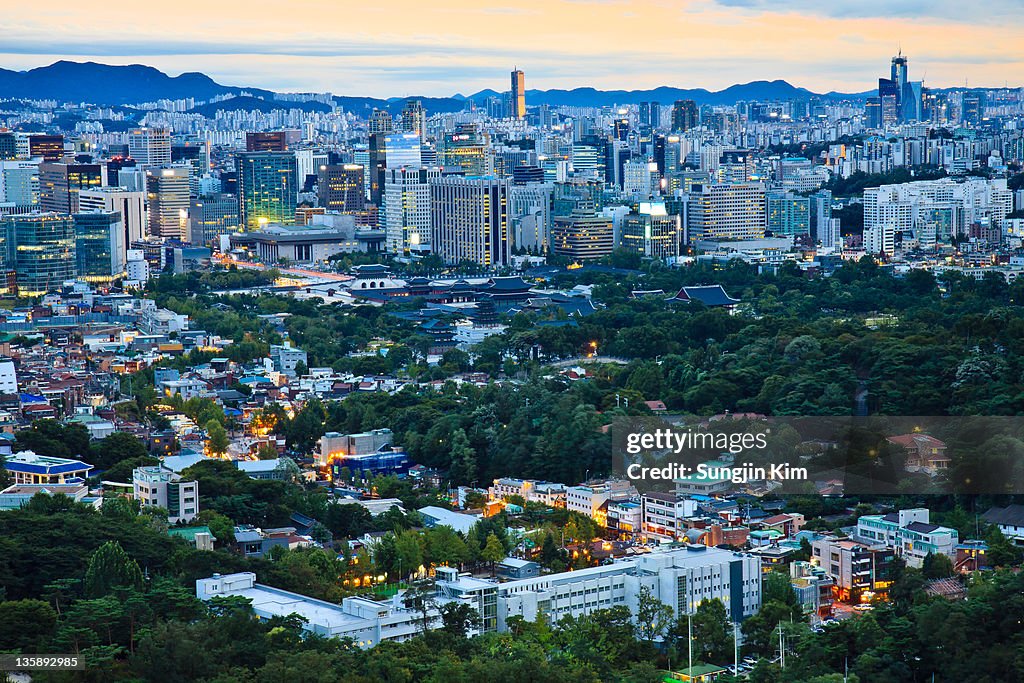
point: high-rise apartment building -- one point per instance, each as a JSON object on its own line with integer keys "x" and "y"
{"x": 470, "y": 220}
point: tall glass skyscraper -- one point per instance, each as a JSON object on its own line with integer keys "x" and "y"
{"x": 99, "y": 246}
{"x": 267, "y": 188}
{"x": 41, "y": 250}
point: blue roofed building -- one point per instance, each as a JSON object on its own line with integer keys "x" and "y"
{"x": 28, "y": 467}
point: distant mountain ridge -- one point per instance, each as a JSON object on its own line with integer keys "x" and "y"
{"x": 105, "y": 84}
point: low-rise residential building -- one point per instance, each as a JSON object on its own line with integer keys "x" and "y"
{"x": 367, "y": 622}
{"x": 924, "y": 453}
{"x": 859, "y": 570}
{"x": 530, "y": 490}
{"x": 813, "y": 587}
{"x": 159, "y": 487}
{"x": 909, "y": 533}
{"x": 589, "y": 499}
{"x": 1010, "y": 521}
{"x": 438, "y": 516}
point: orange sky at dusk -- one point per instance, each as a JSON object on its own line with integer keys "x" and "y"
{"x": 402, "y": 48}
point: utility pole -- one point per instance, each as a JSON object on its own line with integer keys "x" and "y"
{"x": 689, "y": 644}
{"x": 735, "y": 649}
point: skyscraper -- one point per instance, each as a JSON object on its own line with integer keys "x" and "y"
{"x": 684, "y": 116}
{"x": 150, "y": 146}
{"x": 210, "y": 217}
{"x": 168, "y": 196}
{"x": 267, "y": 188}
{"x": 131, "y": 206}
{"x": 100, "y": 249}
{"x": 518, "y": 94}
{"x": 59, "y": 184}
{"x": 340, "y": 187}
{"x": 380, "y": 121}
{"x": 270, "y": 141}
{"x": 788, "y": 214}
{"x": 726, "y": 212}
{"x": 470, "y": 220}
{"x": 414, "y": 118}
{"x": 406, "y": 209}
{"x": 42, "y": 251}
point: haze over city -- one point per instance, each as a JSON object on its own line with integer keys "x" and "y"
{"x": 397, "y": 49}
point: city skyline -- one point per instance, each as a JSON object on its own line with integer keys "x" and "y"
{"x": 464, "y": 48}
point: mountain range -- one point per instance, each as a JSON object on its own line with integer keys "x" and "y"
{"x": 67, "y": 81}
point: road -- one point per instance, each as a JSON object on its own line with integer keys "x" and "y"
{"x": 298, "y": 272}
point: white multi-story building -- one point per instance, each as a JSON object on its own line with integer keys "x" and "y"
{"x": 8, "y": 377}
{"x": 150, "y": 146}
{"x": 682, "y": 578}
{"x": 726, "y": 211}
{"x": 159, "y": 487}
{"x": 589, "y": 499}
{"x": 530, "y": 213}
{"x": 951, "y": 205}
{"x": 131, "y": 206}
{"x": 545, "y": 492}
{"x": 367, "y": 622}
{"x": 909, "y": 533}
{"x": 406, "y": 209}
{"x": 663, "y": 514}
{"x": 880, "y": 239}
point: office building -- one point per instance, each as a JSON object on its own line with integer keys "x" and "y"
{"x": 267, "y": 188}
{"x": 150, "y": 146}
{"x": 681, "y": 578}
{"x": 131, "y": 205}
{"x": 27, "y": 467}
{"x": 158, "y": 487}
{"x": 210, "y": 217}
{"x": 363, "y": 621}
{"x": 407, "y": 209}
{"x": 167, "y": 192}
{"x": 370, "y": 452}
{"x": 788, "y": 214}
{"x": 652, "y": 232}
{"x": 530, "y": 213}
{"x": 469, "y": 220}
{"x": 60, "y": 184}
{"x": 414, "y": 119}
{"x": 467, "y": 150}
{"x": 49, "y": 147}
{"x": 19, "y": 183}
{"x": 272, "y": 141}
{"x": 402, "y": 150}
{"x": 729, "y": 212}
{"x": 324, "y": 236}
{"x": 8, "y": 146}
{"x": 685, "y": 116}
{"x": 734, "y": 166}
{"x": 518, "y": 95}
{"x": 100, "y": 249}
{"x": 41, "y": 248}
{"x": 340, "y": 187}
{"x": 380, "y": 122}
{"x": 583, "y": 236}
{"x": 909, "y": 534}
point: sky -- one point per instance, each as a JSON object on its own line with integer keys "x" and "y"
{"x": 397, "y": 48}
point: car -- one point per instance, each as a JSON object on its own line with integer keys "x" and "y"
{"x": 863, "y": 608}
